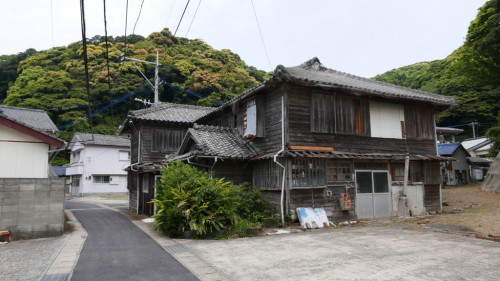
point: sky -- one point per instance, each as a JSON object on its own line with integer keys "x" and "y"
{"x": 361, "y": 37}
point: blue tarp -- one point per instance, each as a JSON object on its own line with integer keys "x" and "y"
{"x": 60, "y": 170}
{"x": 447, "y": 149}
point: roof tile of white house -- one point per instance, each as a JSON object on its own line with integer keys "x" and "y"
{"x": 86, "y": 138}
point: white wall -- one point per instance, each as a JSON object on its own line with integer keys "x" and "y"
{"x": 385, "y": 120}
{"x": 22, "y": 156}
{"x": 415, "y": 195}
{"x": 103, "y": 161}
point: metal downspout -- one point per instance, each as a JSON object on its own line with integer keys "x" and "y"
{"x": 282, "y": 149}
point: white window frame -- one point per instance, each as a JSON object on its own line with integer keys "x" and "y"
{"x": 102, "y": 177}
{"x": 122, "y": 152}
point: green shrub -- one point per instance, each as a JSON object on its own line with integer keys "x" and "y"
{"x": 253, "y": 206}
{"x": 190, "y": 200}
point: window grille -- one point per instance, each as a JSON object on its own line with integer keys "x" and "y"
{"x": 338, "y": 171}
{"x": 266, "y": 174}
{"x": 308, "y": 172}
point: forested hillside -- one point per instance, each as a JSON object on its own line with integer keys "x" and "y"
{"x": 472, "y": 73}
{"x": 54, "y": 79}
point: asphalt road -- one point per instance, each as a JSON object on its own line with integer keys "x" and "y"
{"x": 116, "y": 249}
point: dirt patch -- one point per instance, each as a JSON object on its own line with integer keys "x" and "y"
{"x": 472, "y": 207}
{"x": 467, "y": 210}
{"x": 68, "y": 227}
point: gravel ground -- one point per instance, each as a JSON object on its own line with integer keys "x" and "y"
{"x": 352, "y": 253}
{"x": 28, "y": 259}
{"x": 472, "y": 207}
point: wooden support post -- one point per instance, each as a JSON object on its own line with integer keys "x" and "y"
{"x": 405, "y": 179}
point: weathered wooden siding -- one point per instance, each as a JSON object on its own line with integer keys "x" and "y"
{"x": 315, "y": 198}
{"x": 147, "y": 135}
{"x": 237, "y": 172}
{"x": 431, "y": 197}
{"x": 166, "y": 140}
{"x": 419, "y": 123}
{"x": 299, "y": 132}
{"x": 132, "y": 191}
{"x": 268, "y": 128}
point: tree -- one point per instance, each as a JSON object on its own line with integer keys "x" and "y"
{"x": 479, "y": 58}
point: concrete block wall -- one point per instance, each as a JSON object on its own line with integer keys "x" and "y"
{"x": 32, "y": 208}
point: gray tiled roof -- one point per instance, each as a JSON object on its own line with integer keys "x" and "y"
{"x": 171, "y": 112}
{"x": 86, "y": 138}
{"x": 312, "y": 73}
{"x": 218, "y": 141}
{"x": 34, "y": 118}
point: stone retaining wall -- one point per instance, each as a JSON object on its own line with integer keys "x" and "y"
{"x": 32, "y": 208}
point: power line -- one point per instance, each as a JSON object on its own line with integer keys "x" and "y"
{"x": 140, "y": 10}
{"x": 170, "y": 13}
{"x": 261, "y": 37}
{"x": 181, "y": 17}
{"x": 126, "y": 21}
{"x": 193, "y": 18}
{"x": 85, "y": 60}
{"x": 52, "y": 23}
{"x": 107, "y": 60}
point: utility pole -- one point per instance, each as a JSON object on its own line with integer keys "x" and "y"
{"x": 473, "y": 129}
{"x": 157, "y": 66}
{"x": 156, "y": 80}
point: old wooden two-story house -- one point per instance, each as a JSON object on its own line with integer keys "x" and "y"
{"x": 310, "y": 135}
{"x": 154, "y": 132}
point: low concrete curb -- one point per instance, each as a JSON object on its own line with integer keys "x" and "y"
{"x": 63, "y": 265}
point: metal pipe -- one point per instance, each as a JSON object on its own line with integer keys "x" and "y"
{"x": 282, "y": 149}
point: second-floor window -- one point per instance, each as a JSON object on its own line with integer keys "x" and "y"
{"x": 337, "y": 114}
{"x": 124, "y": 155}
{"x": 76, "y": 156}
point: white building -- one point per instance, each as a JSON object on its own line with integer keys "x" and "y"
{"x": 27, "y": 143}
{"x": 477, "y": 147}
{"x": 97, "y": 163}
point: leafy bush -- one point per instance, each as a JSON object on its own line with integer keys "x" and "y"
{"x": 253, "y": 206}
{"x": 188, "y": 199}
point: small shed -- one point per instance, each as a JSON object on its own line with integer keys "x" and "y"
{"x": 454, "y": 172}
{"x": 479, "y": 167}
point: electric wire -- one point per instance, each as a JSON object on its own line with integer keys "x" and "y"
{"x": 52, "y": 23}
{"x": 261, "y": 37}
{"x": 107, "y": 60}
{"x": 140, "y": 10}
{"x": 85, "y": 61}
{"x": 193, "y": 18}
{"x": 181, "y": 17}
{"x": 170, "y": 13}
{"x": 126, "y": 21}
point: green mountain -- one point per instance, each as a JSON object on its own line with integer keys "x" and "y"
{"x": 54, "y": 79}
{"x": 471, "y": 73}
